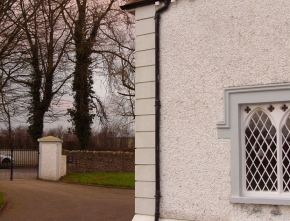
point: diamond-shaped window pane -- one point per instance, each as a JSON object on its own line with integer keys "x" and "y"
{"x": 286, "y": 155}
{"x": 261, "y": 153}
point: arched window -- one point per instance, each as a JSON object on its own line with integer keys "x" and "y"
{"x": 257, "y": 122}
{"x": 261, "y": 153}
{"x": 266, "y": 155}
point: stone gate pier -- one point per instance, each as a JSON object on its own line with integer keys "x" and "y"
{"x": 52, "y": 164}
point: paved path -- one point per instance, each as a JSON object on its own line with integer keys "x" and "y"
{"x": 19, "y": 173}
{"x": 36, "y": 200}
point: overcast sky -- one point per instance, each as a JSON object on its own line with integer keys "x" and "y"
{"x": 65, "y": 103}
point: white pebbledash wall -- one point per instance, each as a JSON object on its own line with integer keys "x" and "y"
{"x": 206, "y": 46}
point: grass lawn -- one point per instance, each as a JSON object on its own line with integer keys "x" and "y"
{"x": 117, "y": 179}
{"x": 1, "y": 200}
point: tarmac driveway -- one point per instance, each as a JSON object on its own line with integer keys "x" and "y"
{"x": 33, "y": 200}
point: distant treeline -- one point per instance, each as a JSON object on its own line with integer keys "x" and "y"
{"x": 107, "y": 139}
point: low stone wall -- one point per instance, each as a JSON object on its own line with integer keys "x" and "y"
{"x": 99, "y": 161}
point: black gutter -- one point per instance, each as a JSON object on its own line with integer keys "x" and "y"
{"x": 137, "y": 3}
{"x": 157, "y": 108}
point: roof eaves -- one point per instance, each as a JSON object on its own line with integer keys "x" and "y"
{"x": 132, "y": 4}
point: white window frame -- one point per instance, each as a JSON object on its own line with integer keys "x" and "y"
{"x": 231, "y": 128}
{"x": 278, "y": 118}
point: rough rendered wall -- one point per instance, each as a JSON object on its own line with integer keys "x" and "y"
{"x": 206, "y": 46}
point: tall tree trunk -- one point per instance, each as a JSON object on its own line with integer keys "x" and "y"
{"x": 35, "y": 128}
{"x": 82, "y": 86}
{"x": 81, "y": 116}
{"x": 86, "y": 30}
{"x": 82, "y": 83}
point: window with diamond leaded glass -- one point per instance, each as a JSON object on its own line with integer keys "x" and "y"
{"x": 257, "y": 122}
{"x": 261, "y": 153}
{"x": 266, "y": 149}
{"x": 286, "y": 155}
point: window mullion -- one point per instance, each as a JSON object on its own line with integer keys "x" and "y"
{"x": 243, "y": 162}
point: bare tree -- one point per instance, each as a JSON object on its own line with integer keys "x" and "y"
{"x": 10, "y": 32}
{"x": 119, "y": 64}
{"x": 45, "y": 43}
{"x": 88, "y": 19}
{"x": 12, "y": 99}
{"x": 10, "y": 35}
{"x": 7, "y": 106}
{"x": 44, "y": 50}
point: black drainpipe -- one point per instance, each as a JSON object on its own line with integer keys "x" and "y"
{"x": 157, "y": 108}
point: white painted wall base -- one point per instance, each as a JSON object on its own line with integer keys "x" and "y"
{"x": 138, "y": 217}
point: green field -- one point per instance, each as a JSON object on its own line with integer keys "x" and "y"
{"x": 114, "y": 179}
